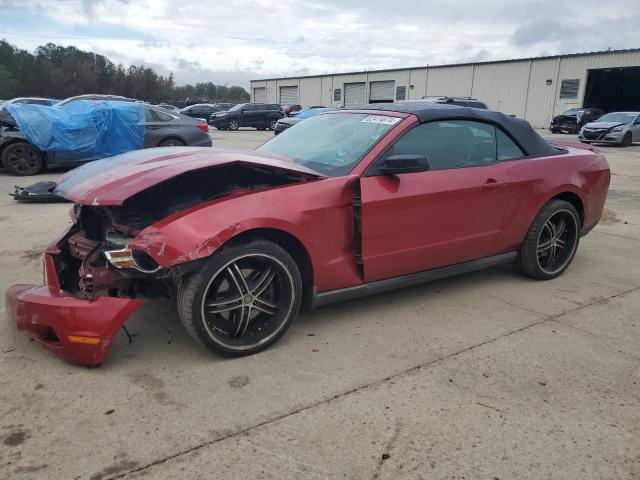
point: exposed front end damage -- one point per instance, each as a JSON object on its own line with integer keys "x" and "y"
{"x": 98, "y": 272}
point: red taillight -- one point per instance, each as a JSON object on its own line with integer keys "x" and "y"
{"x": 204, "y": 127}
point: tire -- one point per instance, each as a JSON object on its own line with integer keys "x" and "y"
{"x": 626, "y": 140}
{"x": 545, "y": 253}
{"x": 257, "y": 290}
{"x": 272, "y": 123}
{"x": 234, "y": 124}
{"x": 555, "y": 130}
{"x": 22, "y": 159}
{"x": 171, "y": 142}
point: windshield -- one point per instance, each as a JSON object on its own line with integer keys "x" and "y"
{"x": 236, "y": 108}
{"x": 620, "y": 117}
{"x": 331, "y": 144}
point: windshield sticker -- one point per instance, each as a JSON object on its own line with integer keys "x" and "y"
{"x": 383, "y": 119}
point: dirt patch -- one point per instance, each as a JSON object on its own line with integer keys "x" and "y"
{"x": 32, "y": 255}
{"x": 609, "y": 217}
{"x": 117, "y": 468}
{"x": 239, "y": 382}
{"x": 15, "y": 438}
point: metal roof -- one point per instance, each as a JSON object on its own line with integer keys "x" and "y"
{"x": 489, "y": 62}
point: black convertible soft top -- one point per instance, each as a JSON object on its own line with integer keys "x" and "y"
{"x": 520, "y": 130}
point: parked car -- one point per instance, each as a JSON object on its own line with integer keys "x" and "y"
{"x": 620, "y": 128}
{"x": 201, "y": 111}
{"x": 295, "y": 114}
{"x": 354, "y": 202}
{"x": 289, "y": 109}
{"x": 459, "y": 101}
{"x": 193, "y": 100}
{"x": 287, "y": 122}
{"x": 93, "y": 98}
{"x": 31, "y": 100}
{"x": 169, "y": 107}
{"x": 162, "y": 129}
{"x": 574, "y": 119}
{"x": 262, "y": 116}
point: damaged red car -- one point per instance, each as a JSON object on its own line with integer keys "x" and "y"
{"x": 345, "y": 204}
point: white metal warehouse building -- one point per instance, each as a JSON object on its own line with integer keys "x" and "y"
{"x": 531, "y": 88}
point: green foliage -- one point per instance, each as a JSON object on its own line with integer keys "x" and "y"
{"x": 59, "y": 72}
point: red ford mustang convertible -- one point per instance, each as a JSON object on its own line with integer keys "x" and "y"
{"x": 342, "y": 205}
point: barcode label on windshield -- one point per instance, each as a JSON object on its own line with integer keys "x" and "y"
{"x": 385, "y": 120}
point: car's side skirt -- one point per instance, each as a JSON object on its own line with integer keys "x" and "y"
{"x": 349, "y": 293}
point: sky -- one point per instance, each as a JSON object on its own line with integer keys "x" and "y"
{"x": 235, "y": 41}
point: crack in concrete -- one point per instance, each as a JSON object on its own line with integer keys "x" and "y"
{"x": 367, "y": 386}
{"x": 387, "y": 450}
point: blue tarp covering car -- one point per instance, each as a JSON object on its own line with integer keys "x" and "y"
{"x": 82, "y": 129}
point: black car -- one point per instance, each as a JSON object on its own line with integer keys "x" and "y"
{"x": 203, "y": 110}
{"x": 574, "y": 119}
{"x": 194, "y": 100}
{"x": 162, "y": 129}
{"x": 258, "y": 115}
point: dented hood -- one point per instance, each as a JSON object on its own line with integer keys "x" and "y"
{"x": 113, "y": 180}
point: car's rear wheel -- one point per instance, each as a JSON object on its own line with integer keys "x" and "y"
{"x": 272, "y": 123}
{"x": 243, "y": 300}
{"x": 551, "y": 242}
{"x": 555, "y": 130}
{"x": 171, "y": 142}
{"x": 234, "y": 124}
{"x": 626, "y": 140}
{"x": 22, "y": 159}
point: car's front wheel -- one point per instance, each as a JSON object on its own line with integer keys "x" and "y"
{"x": 22, "y": 159}
{"x": 272, "y": 123}
{"x": 626, "y": 140}
{"x": 551, "y": 242}
{"x": 243, "y": 299}
{"x": 234, "y": 124}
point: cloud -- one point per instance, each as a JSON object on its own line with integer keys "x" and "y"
{"x": 234, "y": 42}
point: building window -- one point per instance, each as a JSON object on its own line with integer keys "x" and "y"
{"x": 569, "y": 88}
{"x": 401, "y": 93}
{"x": 337, "y": 94}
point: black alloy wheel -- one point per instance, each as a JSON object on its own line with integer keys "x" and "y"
{"x": 22, "y": 159}
{"x": 551, "y": 242}
{"x": 243, "y": 300}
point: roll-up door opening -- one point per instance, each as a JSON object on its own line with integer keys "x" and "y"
{"x": 288, "y": 96}
{"x": 382, "y": 92}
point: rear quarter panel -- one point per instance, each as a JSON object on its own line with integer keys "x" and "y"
{"x": 535, "y": 181}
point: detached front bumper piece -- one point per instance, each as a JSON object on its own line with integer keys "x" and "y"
{"x": 78, "y": 330}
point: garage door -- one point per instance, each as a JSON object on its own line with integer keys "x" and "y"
{"x": 382, "y": 91}
{"x": 288, "y": 95}
{"x": 260, "y": 95}
{"x": 355, "y": 93}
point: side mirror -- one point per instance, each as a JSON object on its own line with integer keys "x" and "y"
{"x": 407, "y": 163}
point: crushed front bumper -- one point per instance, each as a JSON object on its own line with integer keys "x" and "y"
{"x": 77, "y": 329}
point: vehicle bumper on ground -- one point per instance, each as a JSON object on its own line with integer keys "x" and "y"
{"x": 77, "y": 329}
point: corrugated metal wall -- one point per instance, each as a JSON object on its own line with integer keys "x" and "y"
{"x": 526, "y": 88}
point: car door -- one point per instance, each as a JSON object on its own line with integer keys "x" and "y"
{"x": 450, "y": 214}
{"x": 635, "y": 129}
{"x": 152, "y": 129}
{"x": 247, "y": 115}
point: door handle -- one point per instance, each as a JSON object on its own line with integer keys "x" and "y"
{"x": 493, "y": 183}
{"x": 153, "y": 127}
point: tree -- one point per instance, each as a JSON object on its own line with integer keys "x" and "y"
{"x": 59, "y": 72}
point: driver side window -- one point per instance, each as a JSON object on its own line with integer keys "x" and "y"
{"x": 449, "y": 144}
